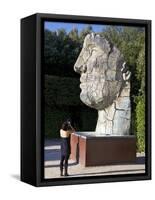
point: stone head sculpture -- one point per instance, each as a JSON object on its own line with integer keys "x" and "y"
{"x": 105, "y": 84}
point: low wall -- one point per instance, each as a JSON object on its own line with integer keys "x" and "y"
{"x": 91, "y": 150}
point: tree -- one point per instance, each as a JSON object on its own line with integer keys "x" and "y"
{"x": 61, "y": 50}
{"x": 73, "y": 34}
{"x": 88, "y": 29}
{"x": 140, "y": 123}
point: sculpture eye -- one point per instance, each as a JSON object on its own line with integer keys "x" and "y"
{"x": 86, "y": 55}
{"x": 94, "y": 49}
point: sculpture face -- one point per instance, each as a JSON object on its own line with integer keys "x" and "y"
{"x": 100, "y": 66}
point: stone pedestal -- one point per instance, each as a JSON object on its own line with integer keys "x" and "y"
{"x": 90, "y": 150}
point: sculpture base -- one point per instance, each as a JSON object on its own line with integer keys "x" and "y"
{"x": 91, "y": 150}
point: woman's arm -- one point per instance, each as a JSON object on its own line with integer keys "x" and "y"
{"x": 71, "y": 130}
{"x": 64, "y": 134}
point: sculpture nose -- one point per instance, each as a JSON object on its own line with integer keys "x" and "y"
{"x": 77, "y": 69}
{"x": 80, "y": 69}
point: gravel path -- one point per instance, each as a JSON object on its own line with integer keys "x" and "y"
{"x": 52, "y": 160}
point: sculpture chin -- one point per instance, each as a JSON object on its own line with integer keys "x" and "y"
{"x": 95, "y": 102}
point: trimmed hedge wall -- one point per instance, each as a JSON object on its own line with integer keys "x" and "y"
{"x": 62, "y": 101}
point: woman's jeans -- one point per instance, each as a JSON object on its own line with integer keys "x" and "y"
{"x": 64, "y": 162}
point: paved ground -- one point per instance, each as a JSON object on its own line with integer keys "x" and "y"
{"x": 52, "y": 160}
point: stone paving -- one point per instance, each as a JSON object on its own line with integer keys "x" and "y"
{"x": 52, "y": 160}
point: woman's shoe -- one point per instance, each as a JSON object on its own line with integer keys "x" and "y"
{"x": 66, "y": 174}
{"x": 61, "y": 173}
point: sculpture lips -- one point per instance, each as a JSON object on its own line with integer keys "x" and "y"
{"x": 83, "y": 85}
{"x": 81, "y": 79}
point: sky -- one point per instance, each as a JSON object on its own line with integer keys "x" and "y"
{"x": 53, "y": 26}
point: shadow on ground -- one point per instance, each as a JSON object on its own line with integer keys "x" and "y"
{"x": 107, "y": 172}
{"x": 16, "y": 176}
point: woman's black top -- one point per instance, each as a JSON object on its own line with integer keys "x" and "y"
{"x": 65, "y": 146}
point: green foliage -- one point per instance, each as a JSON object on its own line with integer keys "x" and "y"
{"x": 84, "y": 32}
{"x": 53, "y": 120}
{"x": 73, "y": 34}
{"x": 60, "y": 52}
{"x": 62, "y": 101}
{"x": 140, "y": 70}
{"x": 61, "y": 91}
{"x": 140, "y": 123}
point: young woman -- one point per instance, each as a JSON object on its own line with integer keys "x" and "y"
{"x": 65, "y": 133}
